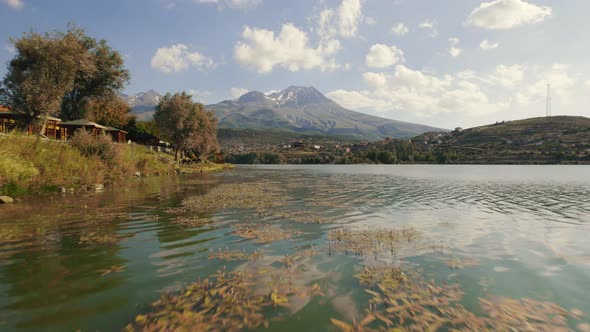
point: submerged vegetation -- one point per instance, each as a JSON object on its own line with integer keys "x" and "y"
{"x": 268, "y": 259}
{"x": 236, "y": 196}
{"x": 266, "y": 288}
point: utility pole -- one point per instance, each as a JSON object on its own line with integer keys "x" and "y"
{"x": 548, "y": 109}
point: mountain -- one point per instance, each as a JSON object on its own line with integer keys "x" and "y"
{"x": 306, "y": 110}
{"x": 143, "y": 104}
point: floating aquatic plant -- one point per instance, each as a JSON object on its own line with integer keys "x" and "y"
{"x": 263, "y": 233}
{"x": 302, "y": 216}
{"x": 405, "y": 301}
{"x": 191, "y": 221}
{"x": 97, "y": 238}
{"x": 112, "y": 269}
{"x": 527, "y": 314}
{"x": 237, "y": 196}
{"x": 236, "y": 255}
{"x": 387, "y": 274}
{"x": 227, "y": 301}
{"x": 455, "y": 263}
{"x": 365, "y": 241}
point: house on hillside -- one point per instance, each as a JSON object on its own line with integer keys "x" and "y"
{"x": 10, "y": 121}
{"x": 298, "y": 144}
{"x": 118, "y": 135}
{"x": 69, "y": 128}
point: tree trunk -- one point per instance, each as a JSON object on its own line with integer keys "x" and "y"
{"x": 44, "y": 120}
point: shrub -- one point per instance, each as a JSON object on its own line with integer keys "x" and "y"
{"x": 15, "y": 168}
{"x": 100, "y": 146}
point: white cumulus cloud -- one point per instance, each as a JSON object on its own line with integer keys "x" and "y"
{"x": 508, "y": 76}
{"x": 400, "y": 29}
{"x": 429, "y": 25}
{"x": 486, "y": 45}
{"x": 262, "y": 50}
{"x": 516, "y": 90}
{"x": 200, "y": 96}
{"x": 178, "y": 57}
{"x": 382, "y": 56}
{"x": 507, "y": 14}
{"x": 16, "y": 4}
{"x": 343, "y": 21}
{"x": 455, "y": 51}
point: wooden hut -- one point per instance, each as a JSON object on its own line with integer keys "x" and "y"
{"x": 117, "y": 135}
{"x": 11, "y": 121}
{"x": 70, "y": 128}
{"x": 145, "y": 139}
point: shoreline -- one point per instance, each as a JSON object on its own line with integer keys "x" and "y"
{"x": 34, "y": 167}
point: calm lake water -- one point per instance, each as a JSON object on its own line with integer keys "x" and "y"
{"x": 94, "y": 263}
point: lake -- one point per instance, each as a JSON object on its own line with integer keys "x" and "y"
{"x": 486, "y": 245}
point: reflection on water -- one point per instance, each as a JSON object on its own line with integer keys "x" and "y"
{"x": 93, "y": 263}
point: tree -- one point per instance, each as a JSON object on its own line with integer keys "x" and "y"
{"x": 140, "y": 129}
{"x": 42, "y": 72}
{"x": 109, "y": 110}
{"x": 186, "y": 124}
{"x": 386, "y": 157}
{"x": 101, "y": 80}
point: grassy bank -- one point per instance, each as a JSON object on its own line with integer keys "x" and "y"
{"x": 32, "y": 165}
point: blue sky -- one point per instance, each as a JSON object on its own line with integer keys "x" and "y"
{"x": 443, "y": 63}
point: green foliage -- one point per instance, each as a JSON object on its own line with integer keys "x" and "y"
{"x": 270, "y": 158}
{"x": 248, "y": 158}
{"x": 39, "y": 166}
{"x": 135, "y": 128}
{"x": 95, "y": 86}
{"x": 386, "y": 157}
{"x": 186, "y": 124}
{"x": 446, "y": 156}
{"x": 43, "y": 71}
{"x": 108, "y": 110}
{"x": 12, "y": 189}
{"x": 15, "y": 168}
{"x": 371, "y": 155}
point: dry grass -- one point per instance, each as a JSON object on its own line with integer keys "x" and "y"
{"x": 29, "y": 164}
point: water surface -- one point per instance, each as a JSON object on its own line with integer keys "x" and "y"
{"x": 93, "y": 263}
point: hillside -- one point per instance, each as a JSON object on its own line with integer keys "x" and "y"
{"x": 534, "y": 140}
{"x": 230, "y": 137}
{"x": 305, "y": 109}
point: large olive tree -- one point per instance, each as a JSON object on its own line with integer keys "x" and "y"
{"x": 42, "y": 72}
{"x": 186, "y": 124}
{"x": 68, "y": 74}
{"x": 97, "y": 83}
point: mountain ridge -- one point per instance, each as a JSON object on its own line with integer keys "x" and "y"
{"x": 294, "y": 109}
{"x": 299, "y": 108}
{"x": 143, "y": 104}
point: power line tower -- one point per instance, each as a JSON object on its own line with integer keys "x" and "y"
{"x": 548, "y": 108}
